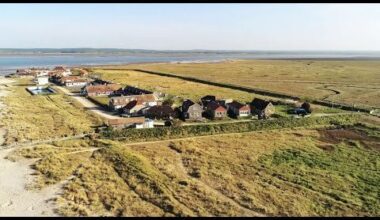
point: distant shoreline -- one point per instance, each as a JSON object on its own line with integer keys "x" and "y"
{"x": 9, "y": 64}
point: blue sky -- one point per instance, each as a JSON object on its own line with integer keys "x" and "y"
{"x": 192, "y": 26}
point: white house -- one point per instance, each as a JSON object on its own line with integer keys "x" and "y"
{"x": 42, "y": 73}
{"x": 148, "y": 123}
{"x": 42, "y": 80}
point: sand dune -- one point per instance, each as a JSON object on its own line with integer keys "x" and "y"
{"x": 15, "y": 199}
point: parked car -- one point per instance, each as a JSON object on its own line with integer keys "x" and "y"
{"x": 298, "y": 111}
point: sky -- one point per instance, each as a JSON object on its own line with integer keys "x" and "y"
{"x": 192, "y": 26}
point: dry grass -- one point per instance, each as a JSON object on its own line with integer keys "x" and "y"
{"x": 289, "y": 173}
{"x": 172, "y": 86}
{"x": 302, "y": 78}
{"x": 41, "y": 117}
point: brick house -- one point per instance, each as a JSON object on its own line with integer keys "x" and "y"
{"x": 237, "y": 109}
{"x": 118, "y": 102}
{"x": 215, "y": 111}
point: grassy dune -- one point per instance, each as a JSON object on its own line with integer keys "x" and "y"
{"x": 294, "y": 172}
{"x": 357, "y": 81}
{"x": 41, "y": 117}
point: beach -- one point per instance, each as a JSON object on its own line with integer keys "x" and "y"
{"x": 15, "y": 198}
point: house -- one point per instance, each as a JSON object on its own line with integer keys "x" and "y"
{"x": 237, "y": 109}
{"x": 100, "y": 90}
{"x": 72, "y": 81}
{"x": 42, "y": 80}
{"x": 262, "y": 108}
{"x": 60, "y": 70}
{"x": 120, "y": 123}
{"x": 100, "y": 82}
{"x": 118, "y": 102}
{"x": 148, "y": 123}
{"x": 135, "y": 91}
{"x": 207, "y": 99}
{"x": 191, "y": 110}
{"x": 130, "y": 90}
{"x": 215, "y": 111}
{"x": 134, "y": 108}
{"x": 23, "y": 72}
{"x": 224, "y": 102}
{"x": 42, "y": 72}
{"x": 164, "y": 112}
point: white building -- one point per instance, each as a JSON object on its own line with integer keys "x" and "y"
{"x": 42, "y": 80}
{"x": 77, "y": 83}
{"x": 42, "y": 73}
{"x": 148, "y": 123}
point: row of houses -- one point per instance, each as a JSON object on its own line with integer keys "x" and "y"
{"x": 151, "y": 106}
{"x": 216, "y": 109}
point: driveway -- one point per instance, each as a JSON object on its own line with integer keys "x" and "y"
{"x": 89, "y": 105}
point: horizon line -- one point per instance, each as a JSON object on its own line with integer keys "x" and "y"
{"x": 247, "y": 50}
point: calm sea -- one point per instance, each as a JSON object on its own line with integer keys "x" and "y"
{"x": 9, "y": 63}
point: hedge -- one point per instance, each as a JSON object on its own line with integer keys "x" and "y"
{"x": 162, "y": 133}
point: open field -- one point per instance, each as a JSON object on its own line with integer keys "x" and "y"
{"x": 185, "y": 89}
{"x": 348, "y": 81}
{"x": 176, "y": 87}
{"x": 42, "y": 117}
{"x": 290, "y": 172}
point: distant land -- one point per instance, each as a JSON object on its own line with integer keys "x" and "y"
{"x": 114, "y": 51}
{"x": 15, "y": 58}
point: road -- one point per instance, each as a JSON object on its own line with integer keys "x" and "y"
{"x": 88, "y": 104}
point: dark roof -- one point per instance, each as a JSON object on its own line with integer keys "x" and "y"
{"x": 132, "y": 104}
{"x": 238, "y": 105}
{"x": 215, "y": 106}
{"x": 209, "y": 97}
{"x": 136, "y": 91}
{"x": 186, "y": 104}
{"x": 158, "y": 109}
{"x": 260, "y": 103}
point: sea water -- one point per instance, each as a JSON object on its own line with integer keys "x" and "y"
{"x": 9, "y": 63}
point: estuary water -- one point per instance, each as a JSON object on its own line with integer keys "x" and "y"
{"x": 10, "y": 62}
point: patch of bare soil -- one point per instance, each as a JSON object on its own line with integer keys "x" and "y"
{"x": 336, "y": 136}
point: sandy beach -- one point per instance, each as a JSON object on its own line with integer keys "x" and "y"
{"x": 15, "y": 199}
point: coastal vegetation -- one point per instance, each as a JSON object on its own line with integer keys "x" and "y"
{"x": 333, "y": 80}
{"x": 175, "y": 87}
{"x": 36, "y": 117}
{"x": 329, "y": 171}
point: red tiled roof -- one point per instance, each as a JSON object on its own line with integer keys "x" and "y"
{"x": 123, "y": 100}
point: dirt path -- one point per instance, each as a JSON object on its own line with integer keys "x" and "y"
{"x": 46, "y": 141}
